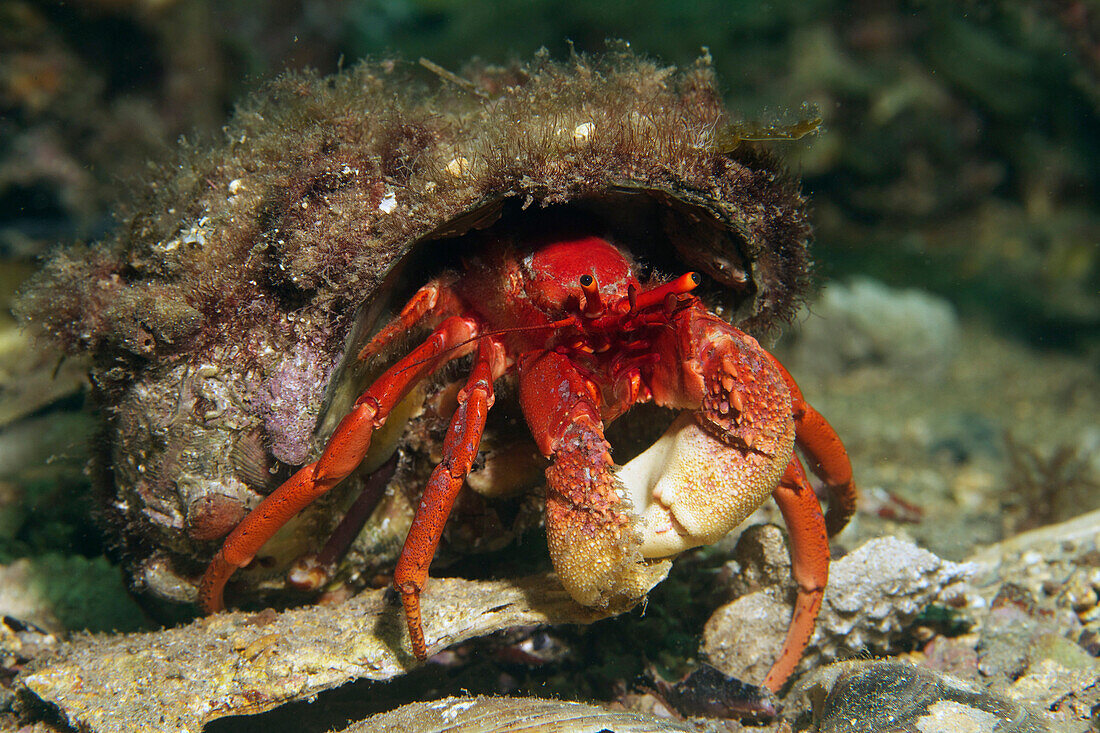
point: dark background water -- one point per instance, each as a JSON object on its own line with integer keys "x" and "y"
{"x": 959, "y": 150}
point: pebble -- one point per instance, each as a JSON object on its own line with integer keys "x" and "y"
{"x": 882, "y": 697}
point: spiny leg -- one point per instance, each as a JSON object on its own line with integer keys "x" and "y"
{"x": 826, "y": 455}
{"x": 459, "y": 451}
{"x": 344, "y": 451}
{"x": 809, "y": 547}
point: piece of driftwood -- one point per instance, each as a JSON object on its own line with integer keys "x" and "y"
{"x": 245, "y": 663}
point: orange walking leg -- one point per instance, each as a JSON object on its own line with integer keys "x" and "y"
{"x": 345, "y": 450}
{"x": 809, "y": 547}
{"x": 435, "y": 297}
{"x": 829, "y": 461}
{"x": 459, "y": 451}
{"x": 826, "y": 455}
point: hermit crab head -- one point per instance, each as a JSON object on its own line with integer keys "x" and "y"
{"x": 562, "y": 275}
{"x": 236, "y": 318}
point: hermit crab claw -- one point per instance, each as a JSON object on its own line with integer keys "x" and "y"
{"x": 691, "y": 489}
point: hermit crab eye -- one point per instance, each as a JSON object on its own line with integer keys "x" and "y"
{"x": 593, "y": 304}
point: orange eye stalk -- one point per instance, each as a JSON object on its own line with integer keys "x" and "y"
{"x": 593, "y": 305}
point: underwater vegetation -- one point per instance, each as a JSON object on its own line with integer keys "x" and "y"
{"x": 1048, "y": 487}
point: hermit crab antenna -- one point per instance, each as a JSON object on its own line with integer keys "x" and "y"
{"x": 681, "y": 285}
{"x": 593, "y": 305}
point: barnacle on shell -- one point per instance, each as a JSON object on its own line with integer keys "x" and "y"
{"x": 223, "y": 317}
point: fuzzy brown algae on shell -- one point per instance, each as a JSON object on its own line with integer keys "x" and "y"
{"x": 223, "y": 318}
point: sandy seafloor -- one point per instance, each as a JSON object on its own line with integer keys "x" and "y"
{"x": 944, "y": 441}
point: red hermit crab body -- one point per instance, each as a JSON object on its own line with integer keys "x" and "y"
{"x": 586, "y": 342}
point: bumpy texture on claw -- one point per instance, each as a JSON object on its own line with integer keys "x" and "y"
{"x": 591, "y": 529}
{"x": 703, "y": 478}
{"x": 692, "y": 489}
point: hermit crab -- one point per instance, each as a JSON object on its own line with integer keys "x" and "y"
{"x": 570, "y": 240}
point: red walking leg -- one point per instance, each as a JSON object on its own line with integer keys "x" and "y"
{"x": 344, "y": 451}
{"x": 434, "y": 298}
{"x": 826, "y": 455}
{"x": 809, "y": 547}
{"x": 459, "y": 451}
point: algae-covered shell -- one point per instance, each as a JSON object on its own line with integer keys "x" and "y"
{"x": 221, "y": 315}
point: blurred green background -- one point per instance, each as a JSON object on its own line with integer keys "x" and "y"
{"x": 959, "y": 152}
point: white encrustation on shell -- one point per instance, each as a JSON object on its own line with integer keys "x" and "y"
{"x": 583, "y": 131}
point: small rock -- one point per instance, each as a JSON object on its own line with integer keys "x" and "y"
{"x": 742, "y": 638}
{"x": 1006, "y": 634}
{"x": 866, "y": 323}
{"x": 706, "y": 692}
{"x": 760, "y": 559}
{"x": 874, "y": 595}
{"x": 952, "y": 656}
{"x": 1050, "y": 684}
{"x": 884, "y": 697}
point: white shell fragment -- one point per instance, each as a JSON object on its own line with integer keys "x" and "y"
{"x": 388, "y": 203}
{"x": 459, "y": 167}
{"x": 583, "y": 131}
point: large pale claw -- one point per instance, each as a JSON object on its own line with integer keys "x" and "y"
{"x": 690, "y": 489}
